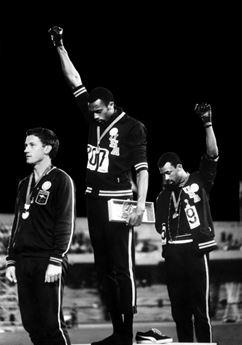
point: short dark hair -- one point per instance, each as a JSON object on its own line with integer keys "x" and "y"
{"x": 47, "y": 137}
{"x": 171, "y": 157}
{"x": 100, "y": 93}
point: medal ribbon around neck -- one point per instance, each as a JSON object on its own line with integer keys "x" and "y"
{"x": 175, "y": 214}
{"x": 176, "y": 203}
{"x": 25, "y": 214}
{"x": 99, "y": 138}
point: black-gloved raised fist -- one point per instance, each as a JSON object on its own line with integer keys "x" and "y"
{"x": 56, "y": 34}
{"x": 204, "y": 111}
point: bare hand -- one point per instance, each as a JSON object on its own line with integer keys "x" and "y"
{"x": 10, "y": 274}
{"x": 53, "y": 273}
{"x": 135, "y": 218}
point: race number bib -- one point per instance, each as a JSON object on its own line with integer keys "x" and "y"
{"x": 98, "y": 159}
{"x": 192, "y": 215}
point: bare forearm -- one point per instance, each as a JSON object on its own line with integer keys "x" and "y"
{"x": 211, "y": 142}
{"x": 142, "y": 188}
{"x": 71, "y": 74}
{"x": 136, "y": 216}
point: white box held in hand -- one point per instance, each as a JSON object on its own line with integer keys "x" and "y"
{"x": 120, "y": 209}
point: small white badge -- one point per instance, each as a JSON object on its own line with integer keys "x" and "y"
{"x": 46, "y": 185}
{"x": 194, "y": 187}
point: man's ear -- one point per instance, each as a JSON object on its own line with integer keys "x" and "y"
{"x": 47, "y": 149}
{"x": 110, "y": 105}
{"x": 179, "y": 165}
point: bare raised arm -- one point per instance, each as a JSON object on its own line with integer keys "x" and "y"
{"x": 70, "y": 72}
{"x": 204, "y": 111}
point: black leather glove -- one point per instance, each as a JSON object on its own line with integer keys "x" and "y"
{"x": 56, "y": 35}
{"x": 204, "y": 111}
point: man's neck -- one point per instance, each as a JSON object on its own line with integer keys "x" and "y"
{"x": 184, "y": 178}
{"x": 40, "y": 168}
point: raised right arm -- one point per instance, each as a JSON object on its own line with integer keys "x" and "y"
{"x": 70, "y": 73}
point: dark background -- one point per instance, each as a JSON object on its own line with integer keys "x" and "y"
{"x": 157, "y": 61}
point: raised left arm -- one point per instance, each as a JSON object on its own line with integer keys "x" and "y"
{"x": 204, "y": 111}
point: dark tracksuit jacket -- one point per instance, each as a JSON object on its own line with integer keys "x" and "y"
{"x": 188, "y": 236}
{"x": 42, "y": 237}
{"x": 48, "y": 230}
{"x": 114, "y": 148}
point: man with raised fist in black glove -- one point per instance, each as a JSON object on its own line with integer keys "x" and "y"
{"x": 116, "y": 145}
{"x": 184, "y": 219}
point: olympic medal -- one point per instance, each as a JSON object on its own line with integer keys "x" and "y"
{"x": 25, "y": 215}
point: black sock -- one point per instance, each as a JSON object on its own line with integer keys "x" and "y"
{"x": 117, "y": 321}
{"x": 128, "y": 325}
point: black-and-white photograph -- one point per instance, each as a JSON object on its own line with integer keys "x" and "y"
{"x": 121, "y": 195}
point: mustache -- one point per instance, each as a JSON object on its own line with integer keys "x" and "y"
{"x": 100, "y": 121}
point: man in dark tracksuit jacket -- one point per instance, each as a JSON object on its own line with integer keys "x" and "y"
{"x": 40, "y": 239}
{"x": 183, "y": 218}
{"x": 116, "y": 145}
